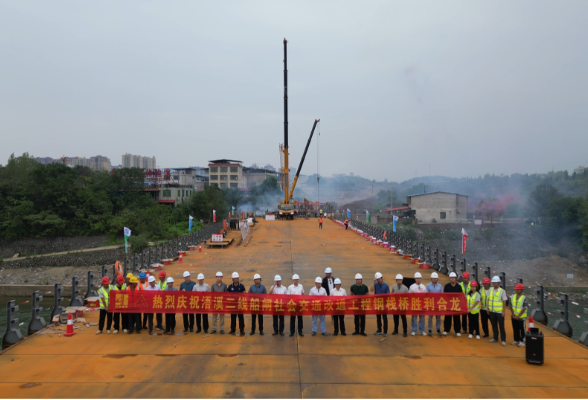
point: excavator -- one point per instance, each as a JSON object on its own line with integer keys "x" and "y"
{"x": 286, "y": 208}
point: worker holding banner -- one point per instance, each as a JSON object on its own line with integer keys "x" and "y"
{"x": 237, "y": 287}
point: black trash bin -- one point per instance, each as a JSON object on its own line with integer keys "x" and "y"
{"x": 534, "y": 346}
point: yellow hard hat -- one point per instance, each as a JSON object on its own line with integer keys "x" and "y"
{"x": 130, "y": 275}
{"x": 133, "y": 279}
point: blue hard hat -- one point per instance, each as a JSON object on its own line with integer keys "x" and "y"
{"x": 142, "y": 275}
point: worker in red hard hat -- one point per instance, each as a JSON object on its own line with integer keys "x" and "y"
{"x": 518, "y": 310}
{"x": 465, "y": 287}
{"x": 104, "y": 298}
{"x": 162, "y": 286}
{"x": 120, "y": 285}
{"x": 484, "y": 293}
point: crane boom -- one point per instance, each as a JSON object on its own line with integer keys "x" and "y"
{"x": 316, "y": 121}
{"x": 286, "y": 166}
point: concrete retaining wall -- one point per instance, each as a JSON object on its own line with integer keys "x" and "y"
{"x": 68, "y": 260}
{"x": 49, "y": 245}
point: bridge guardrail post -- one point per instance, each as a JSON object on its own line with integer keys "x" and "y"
{"x": 563, "y": 325}
{"x": 12, "y": 334}
{"x": 37, "y": 322}
{"x": 539, "y": 314}
{"x": 75, "y": 300}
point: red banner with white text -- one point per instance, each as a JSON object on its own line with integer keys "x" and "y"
{"x": 245, "y": 303}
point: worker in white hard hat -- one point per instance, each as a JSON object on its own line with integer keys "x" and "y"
{"x": 151, "y": 286}
{"x": 496, "y": 306}
{"x": 318, "y": 290}
{"x": 380, "y": 287}
{"x": 257, "y": 288}
{"x": 434, "y": 287}
{"x": 329, "y": 284}
{"x": 296, "y": 289}
{"x": 187, "y": 286}
{"x": 218, "y": 320}
{"x": 236, "y": 287}
{"x": 418, "y": 287}
{"x": 359, "y": 289}
{"x": 278, "y": 289}
{"x": 452, "y": 287}
{"x": 400, "y": 288}
{"x": 170, "y": 318}
{"x": 201, "y": 319}
{"x": 339, "y": 319}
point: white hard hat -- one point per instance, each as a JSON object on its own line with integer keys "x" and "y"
{"x": 318, "y": 280}
{"x": 417, "y": 275}
{"x": 328, "y": 270}
{"x": 434, "y": 275}
{"x": 152, "y": 278}
{"x": 219, "y": 274}
{"x": 399, "y": 277}
{"x": 452, "y": 275}
{"x": 235, "y": 275}
{"x": 200, "y": 276}
{"x": 358, "y": 276}
{"x": 337, "y": 281}
{"x": 378, "y": 275}
{"x": 170, "y": 280}
{"x": 256, "y": 276}
{"x": 496, "y": 279}
{"x": 186, "y": 274}
{"x": 295, "y": 276}
{"x": 277, "y": 278}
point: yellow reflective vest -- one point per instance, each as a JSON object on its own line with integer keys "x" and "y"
{"x": 471, "y": 298}
{"x": 518, "y": 303}
{"x": 464, "y": 289}
{"x": 162, "y": 286}
{"x": 105, "y": 301}
{"x": 495, "y": 302}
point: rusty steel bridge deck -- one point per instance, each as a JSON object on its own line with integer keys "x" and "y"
{"x": 105, "y": 366}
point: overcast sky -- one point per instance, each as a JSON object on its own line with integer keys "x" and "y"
{"x": 469, "y": 87}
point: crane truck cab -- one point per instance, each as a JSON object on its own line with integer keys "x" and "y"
{"x": 286, "y": 211}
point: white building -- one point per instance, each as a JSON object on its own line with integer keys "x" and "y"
{"x": 133, "y": 161}
{"x": 439, "y": 207}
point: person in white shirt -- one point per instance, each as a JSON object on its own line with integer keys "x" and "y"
{"x": 201, "y": 319}
{"x": 297, "y": 290}
{"x": 339, "y": 319}
{"x": 278, "y": 288}
{"x": 151, "y": 286}
{"x": 418, "y": 287}
{"x": 318, "y": 290}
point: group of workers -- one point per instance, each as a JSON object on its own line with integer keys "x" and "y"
{"x": 489, "y": 301}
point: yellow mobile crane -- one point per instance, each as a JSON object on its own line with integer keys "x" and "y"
{"x": 286, "y": 208}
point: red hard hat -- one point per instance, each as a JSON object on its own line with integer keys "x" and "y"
{"x": 105, "y": 280}
{"x": 519, "y": 286}
{"x": 474, "y": 284}
{"x": 486, "y": 280}
{"x": 162, "y": 274}
{"x": 465, "y": 275}
{"x": 120, "y": 279}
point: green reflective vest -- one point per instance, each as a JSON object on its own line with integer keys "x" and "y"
{"x": 471, "y": 300}
{"x": 518, "y": 303}
{"x": 495, "y": 302}
{"x": 484, "y": 298}
{"x": 104, "y": 302}
{"x": 162, "y": 286}
{"x": 464, "y": 289}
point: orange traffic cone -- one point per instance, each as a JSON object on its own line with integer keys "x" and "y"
{"x": 531, "y": 324}
{"x": 70, "y": 330}
{"x": 200, "y": 248}
{"x": 180, "y": 260}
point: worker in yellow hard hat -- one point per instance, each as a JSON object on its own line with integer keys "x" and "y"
{"x": 134, "y": 318}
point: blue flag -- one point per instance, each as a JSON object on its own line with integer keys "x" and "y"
{"x": 394, "y": 219}
{"x": 190, "y": 226}
{"x": 348, "y": 213}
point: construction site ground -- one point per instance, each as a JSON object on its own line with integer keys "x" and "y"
{"x": 225, "y": 366}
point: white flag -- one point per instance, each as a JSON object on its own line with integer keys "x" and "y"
{"x": 127, "y": 232}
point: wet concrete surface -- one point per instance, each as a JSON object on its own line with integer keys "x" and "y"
{"x": 224, "y": 366}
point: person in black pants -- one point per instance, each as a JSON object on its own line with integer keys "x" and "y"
{"x": 404, "y": 325}
{"x": 359, "y": 289}
{"x": 278, "y": 288}
{"x": 170, "y": 318}
{"x": 338, "y": 320}
{"x": 237, "y": 287}
{"x": 296, "y": 289}
{"x": 400, "y": 288}
{"x": 257, "y": 288}
{"x": 452, "y": 287}
{"x": 134, "y": 318}
{"x": 380, "y": 287}
{"x": 484, "y": 292}
{"x": 187, "y": 286}
{"x": 104, "y": 297}
{"x": 474, "y": 305}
